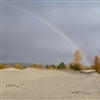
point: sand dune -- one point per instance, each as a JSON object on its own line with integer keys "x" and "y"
{"x": 42, "y": 84}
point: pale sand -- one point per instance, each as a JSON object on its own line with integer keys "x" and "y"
{"x": 42, "y": 84}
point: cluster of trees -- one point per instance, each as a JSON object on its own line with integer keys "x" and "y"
{"x": 17, "y": 66}
{"x": 75, "y": 65}
{"x": 36, "y": 66}
{"x": 52, "y": 66}
{"x": 60, "y": 66}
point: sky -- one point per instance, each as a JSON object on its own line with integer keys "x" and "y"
{"x": 49, "y": 31}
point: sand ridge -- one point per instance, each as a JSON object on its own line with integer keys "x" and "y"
{"x": 42, "y": 84}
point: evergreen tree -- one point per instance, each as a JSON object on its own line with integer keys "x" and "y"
{"x": 61, "y": 66}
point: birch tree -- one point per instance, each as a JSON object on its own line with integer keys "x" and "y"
{"x": 77, "y": 57}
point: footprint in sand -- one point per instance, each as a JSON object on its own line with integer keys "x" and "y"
{"x": 13, "y": 86}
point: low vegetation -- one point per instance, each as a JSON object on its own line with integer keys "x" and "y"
{"x": 75, "y": 65}
{"x": 1, "y": 66}
{"x": 50, "y": 67}
{"x": 18, "y": 66}
{"x": 97, "y": 64}
{"x": 61, "y": 66}
{"x": 36, "y": 66}
{"x": 7, "y": 66}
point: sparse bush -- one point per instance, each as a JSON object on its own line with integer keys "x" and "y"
{"x": 53, "y": 66}
{"x": 92, "y": 66}
{"x": 86, "y": 68}
{"x": 1, "y": 66}
{"x": 40, "y": 66}
{"x": 7, "y": 66}
{"x": 24, "y": 67}
{"x": 75, "y": 66}
{"x": 61, "y": 66}
{"x": 50, "y": 66}
{"x": 18, "y": 66}
{"x": 97, "y": 64}
{"x": 36, "y": 66}
{"x": 47, "y": 66}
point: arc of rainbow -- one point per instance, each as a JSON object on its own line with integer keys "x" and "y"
{"x": 28, "y": 11}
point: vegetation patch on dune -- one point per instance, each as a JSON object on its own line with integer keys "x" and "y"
{"x": 75, "y": 65}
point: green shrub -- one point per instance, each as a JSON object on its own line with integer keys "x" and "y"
{"x": 24, "y": 67}
{"x": 34, "y": 66}
{"x": 50, "y": 66}
{"x": 18, "y": 66}
{"x": 86, "y": 68}
{"x": 75, "y": 66}
{"x": 40, "y": 66}
{"x": 37, "y": 66}
{"x": 1, "y": 66}
{"x": 47, "y": 66}
{"x": 53, "y": 66}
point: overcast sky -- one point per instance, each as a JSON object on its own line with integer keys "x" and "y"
{"x": 27, "y": 35}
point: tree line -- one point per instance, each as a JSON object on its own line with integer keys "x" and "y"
{"x": 75, "y": 65}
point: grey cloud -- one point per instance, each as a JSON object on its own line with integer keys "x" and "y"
{"x": 27, "y": 39}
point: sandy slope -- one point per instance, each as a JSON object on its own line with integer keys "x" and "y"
{"x": 42, "y": 84}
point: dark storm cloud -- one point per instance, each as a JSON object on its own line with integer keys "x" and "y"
{"x": 81, "y": 22}
{"x": 28, "y": 39}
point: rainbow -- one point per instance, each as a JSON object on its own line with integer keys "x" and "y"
{"x": 58, "y": 31}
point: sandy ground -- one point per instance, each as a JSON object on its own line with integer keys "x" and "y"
{"x": 42, "y": 84}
